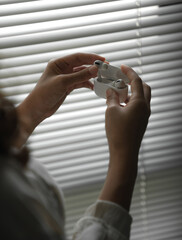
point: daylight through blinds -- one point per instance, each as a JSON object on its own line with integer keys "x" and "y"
{"x": 144, "y": 34}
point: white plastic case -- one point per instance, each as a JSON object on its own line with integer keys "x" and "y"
{"x": 110, "y": 77}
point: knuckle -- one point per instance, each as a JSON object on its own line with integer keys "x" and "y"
{"x": 110, "y": 100}
{"x": 139, "y": 79}
{"x": 78, "y": 56}
{"x": 149, "y": 112}
{"x": 51, "y": 64}
{"x": 146, "y": 110}
{"x": 64, "y": 80}
{"x": 149, "y": 89}
{"x": 111, "y": 109}
{"x": 147, "y": 86}
{"x": 143, "y": 107}
{"x": 51, "y": 61}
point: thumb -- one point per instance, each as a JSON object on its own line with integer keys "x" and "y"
{"x": 79, "y": 77}
{"x": 112, "y": 98}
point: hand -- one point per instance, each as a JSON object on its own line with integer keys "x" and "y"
{"x": 125, "y": 127}
{"x": 60, "y": 77}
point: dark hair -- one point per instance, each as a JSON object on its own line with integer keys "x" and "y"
{"x": 8, "y": 124}
{"x": 9, "y": 130}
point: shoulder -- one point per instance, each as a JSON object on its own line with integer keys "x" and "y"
{"x": 27, "y": 204}
{"x": 37, "y": 169}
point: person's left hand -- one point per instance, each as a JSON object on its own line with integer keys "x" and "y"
{"x": 60, "y": 77}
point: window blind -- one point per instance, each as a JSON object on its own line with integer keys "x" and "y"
{"x": 145, "y": 34}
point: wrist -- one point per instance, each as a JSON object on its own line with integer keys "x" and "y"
{"x": 126, "y": 146}
{"x": 123, "y": 167}
{"x": 27, "y": 122}
{"x": 120, "y": 181}
{"x": 124, "y": 154}
{"x": 28, "y": 113}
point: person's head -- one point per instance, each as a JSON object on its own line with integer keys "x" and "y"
{"x": 9, "y": 131}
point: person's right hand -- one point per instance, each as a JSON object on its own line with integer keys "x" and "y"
{"x": 125, "y": 126}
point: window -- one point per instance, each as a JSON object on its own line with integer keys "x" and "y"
{"x": 72, "y": 144}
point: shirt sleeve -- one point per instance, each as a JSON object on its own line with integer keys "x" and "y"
{"x": 103, "y": 220}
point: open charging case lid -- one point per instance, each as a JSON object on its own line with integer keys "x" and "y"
{"x": 110, "y": 77}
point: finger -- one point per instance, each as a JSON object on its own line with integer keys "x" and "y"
{"x": 135, "y": 81}
{"x": 112, "y": 98}
{"x": 84, "y": 75}
{"x": 147, "y": 93}
{"x": 84, "y": 85}
{"x": 127, "y": 99}
{"x": 87, "y": 84}
{"x": 77, "y": 69}
{"x": 67, "y": 63}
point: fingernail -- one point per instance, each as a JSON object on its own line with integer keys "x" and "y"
{"x": 109, "y": 92}
{"x": 93, "y": 69}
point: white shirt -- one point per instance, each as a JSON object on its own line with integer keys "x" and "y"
{"x": 32, "y": 207}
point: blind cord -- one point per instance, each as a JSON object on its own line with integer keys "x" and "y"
{"x": 142, "y": 170}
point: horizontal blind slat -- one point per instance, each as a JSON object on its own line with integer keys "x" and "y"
{"x": 87, "y": 20}
{"x": 100, "y": 48}
{"x": 95, "y": 30}
{"x": 158, "y": 129}
{"x": 109, "y": 54}
{"x": 155, "y": 121}
{"x": 151, "y": 66}
{"x": 144, "y": 34}
{"x": 36, "y": 6}
{"x": 70, "y": 12}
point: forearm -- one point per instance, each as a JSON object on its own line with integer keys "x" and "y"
{"x": 120, "y": 180}
{"x": 28, "y": 121}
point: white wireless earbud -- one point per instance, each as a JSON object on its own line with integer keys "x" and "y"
{"x": 98, "y": 63}
{"x": 110, "y": 77}
{"x": 105, "y": 66}
{"x": 119, "y": 84}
